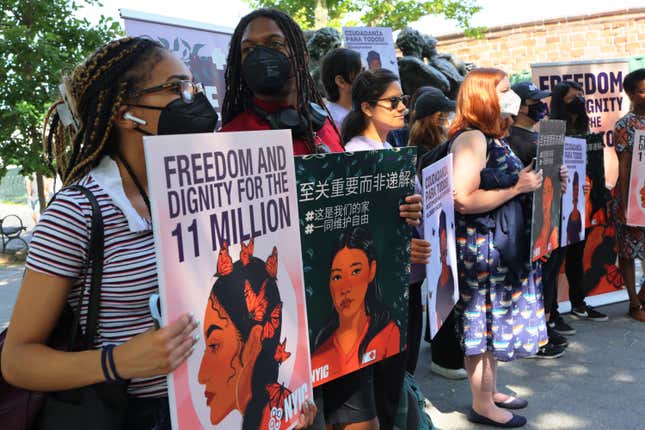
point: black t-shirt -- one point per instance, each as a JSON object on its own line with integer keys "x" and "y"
{"x": 523, "y": 142}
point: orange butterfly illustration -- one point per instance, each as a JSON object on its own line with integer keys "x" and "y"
{"x": 272, "y": 263}
{"x": 273, "y": 323}
{"x": 281, "y": 354}
{"x": 256, "y": 304}
{"x": 246, "y": 253}
{"x": 224, "y": 261}
{"x": 277, "y": 394}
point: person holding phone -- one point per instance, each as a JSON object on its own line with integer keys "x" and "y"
{"x": 500, "y": 313}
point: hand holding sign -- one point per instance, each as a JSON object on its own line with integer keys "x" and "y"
{"x": 157, "y": 352}
{"x": 529, "y": 180}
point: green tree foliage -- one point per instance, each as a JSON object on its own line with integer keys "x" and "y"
{"x": 313, "y": 14}
{"x": 39, "y": 39}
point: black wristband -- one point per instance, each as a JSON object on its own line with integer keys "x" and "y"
{"x": 104, "y": 364}
{"x": 110, "y": 356}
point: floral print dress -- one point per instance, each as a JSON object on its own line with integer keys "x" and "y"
{"x": 497, "y": 312}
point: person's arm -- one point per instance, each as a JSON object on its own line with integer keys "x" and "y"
{"x": 29, "y": 363}
{"x": 624, "y": 172}
{"x": 469, "y": 151}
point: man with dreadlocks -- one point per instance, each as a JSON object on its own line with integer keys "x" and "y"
{"x": 268, "y": 85}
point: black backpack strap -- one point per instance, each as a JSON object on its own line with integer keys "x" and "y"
{"x": 95, "y": 262}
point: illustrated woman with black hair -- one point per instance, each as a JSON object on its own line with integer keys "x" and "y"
{"x": 244, "y": 349}
{"x": 378, "y": 107}
{"x": 361, "y": 330}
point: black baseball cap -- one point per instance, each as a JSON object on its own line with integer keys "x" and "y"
{"x": 431, "y": 101}
{"x": 526, "y": 90}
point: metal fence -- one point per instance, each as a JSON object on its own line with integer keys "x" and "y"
{"x": 12, "y": 187}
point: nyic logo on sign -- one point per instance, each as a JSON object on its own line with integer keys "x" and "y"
{"x": 320, "y": 373}
{"x": 369, "y": 356}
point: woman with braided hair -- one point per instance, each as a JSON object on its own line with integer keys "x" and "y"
{"x": 128, "y": 88}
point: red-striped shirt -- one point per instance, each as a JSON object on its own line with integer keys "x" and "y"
{"x": 59, "y": 247}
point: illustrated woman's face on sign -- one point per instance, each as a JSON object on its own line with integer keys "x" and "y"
{"x": 351, "y": 274}
{"x": 222, "y": 369}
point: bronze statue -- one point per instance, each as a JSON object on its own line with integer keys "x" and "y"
{"x": 319, "y": 43}
{"x": 413, "y": 70}
{"x": 422, "y": 65}
{"x": 443, "y": 64}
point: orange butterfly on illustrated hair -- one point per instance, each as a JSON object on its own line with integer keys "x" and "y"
{"x": 246, "y": 253}
{"x": 277, "y": 394}
{"x": 256, "y": 304}
{"x": 270, "y": 327}
{"x": 281, "y": 354}
{"x": 224, "y": 261}
{"x": 272, "y": 263}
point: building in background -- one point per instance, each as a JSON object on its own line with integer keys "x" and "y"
{"x": 513, "y": 48}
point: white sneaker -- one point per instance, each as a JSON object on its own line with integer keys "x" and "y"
{"x": 448, "y": 373}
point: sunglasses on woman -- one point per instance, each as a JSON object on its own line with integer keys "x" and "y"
{"x": 395, "y": 100}
{"x": 185, "y": 88}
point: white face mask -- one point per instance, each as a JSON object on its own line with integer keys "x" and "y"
{"x": 509, "y": 103}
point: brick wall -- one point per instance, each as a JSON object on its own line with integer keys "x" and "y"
{"x": 513, "y": 48}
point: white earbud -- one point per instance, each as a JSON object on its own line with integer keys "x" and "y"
{"x": 136, "y": 119}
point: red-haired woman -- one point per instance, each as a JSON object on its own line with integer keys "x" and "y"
{"x": 500, "y": 312}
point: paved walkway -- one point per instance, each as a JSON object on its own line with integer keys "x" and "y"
{"x": 598, "y": 384}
